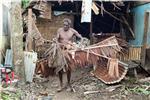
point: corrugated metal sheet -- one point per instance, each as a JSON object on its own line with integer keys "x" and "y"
{"x": 8, "y": 57}
{"x": 5, "y": 29}
{"x": 139, "y": 12}
{"x": 6, "y": 21}
{"x": 30, "y": 59}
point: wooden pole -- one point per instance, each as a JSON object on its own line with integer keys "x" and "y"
{"x": 143, "y": 52}
{"x": 131, "y": 31}
{"x": 29, "y": 36}
{"x": 91, "y": 31}
{"x": 17, "y": 39}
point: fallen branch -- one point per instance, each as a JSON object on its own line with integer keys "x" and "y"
{"x": 115, "y": 6}
{"x": 128, "y": 26}
{"x": 147, "y": 87}
{"x": 91, "y": 92}
{"x": 144, "y": 80}
{"x": 110, "y": 13}
{"x": 112, "y": 88}
{"x": 9, "y": 89}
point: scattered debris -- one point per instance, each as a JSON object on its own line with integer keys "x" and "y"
{"x": 140, "y": 90}
{"x": 9, "y": 89}
{"x": 112, "y": 88}
{"x": 44, "y": 93}
{"x": 90, "y": 92}
{"x": 144, "y": 80}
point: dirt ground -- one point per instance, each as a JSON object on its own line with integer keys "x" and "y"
{"x": 82, "y": 81}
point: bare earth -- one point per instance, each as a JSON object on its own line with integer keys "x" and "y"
{"x": 82, "y": 81}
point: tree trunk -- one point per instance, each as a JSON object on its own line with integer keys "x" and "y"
{"x": 17, "y": 39}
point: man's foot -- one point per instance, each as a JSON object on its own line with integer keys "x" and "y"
{"x": 59, "y": 89}
{"x": 69, "y": 89}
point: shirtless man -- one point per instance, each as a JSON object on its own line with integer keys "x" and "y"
{"x": 65, "y": 36}
{"x": 66, "y": 33}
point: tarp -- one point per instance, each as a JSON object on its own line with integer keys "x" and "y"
{"x": 86, "y": 11}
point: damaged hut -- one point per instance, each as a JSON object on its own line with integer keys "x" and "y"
{"x": 48, "y": 18}
{"x": 108, "y": 26}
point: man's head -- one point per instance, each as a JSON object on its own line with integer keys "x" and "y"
{"x": 66, "y": 23}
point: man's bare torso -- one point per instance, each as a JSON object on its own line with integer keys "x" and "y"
{"x": 65, "y": 36}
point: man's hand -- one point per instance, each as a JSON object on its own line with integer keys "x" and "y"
{"x": 55, "y": 39}
{"x": 81, "y": 40}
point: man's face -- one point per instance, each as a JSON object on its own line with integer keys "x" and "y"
{"x": 66, "y": 26}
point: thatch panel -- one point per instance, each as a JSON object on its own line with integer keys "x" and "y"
{"x": 133, "y": 54}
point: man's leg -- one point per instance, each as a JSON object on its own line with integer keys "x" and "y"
{"x": 68, "y": 79}
{"x": 60, "y": 74}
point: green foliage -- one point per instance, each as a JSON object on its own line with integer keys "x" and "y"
{"x": 139, "y": 90}
{"x": 25, "y": 3}
{"x": 10, "y": 96}
{"x": 4, "y": 96}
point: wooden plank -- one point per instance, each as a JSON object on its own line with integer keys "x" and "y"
{"x": 91, "y": 31}
{"x": 29, "y": 36}
{"x": 143, "y": 54}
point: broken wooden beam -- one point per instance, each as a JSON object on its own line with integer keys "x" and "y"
{"x": 125, "y": 21}
{"x": 144, "y": 80}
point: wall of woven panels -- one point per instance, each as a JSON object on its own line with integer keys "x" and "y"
{"x": 48, "y": 28}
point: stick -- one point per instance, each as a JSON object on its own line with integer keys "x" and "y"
{"x": 116, "y": 6}
{"x": 101, "y": 46}
{"x": 9, "y": 89}
{"x": 90, "y": 92}
{"x": 121, "y": 63}
{"x": 112, "y": 88}
{"x": 110, "y": 14}
{"x": 145, "y": 79}
{"x": 128, "y": 26}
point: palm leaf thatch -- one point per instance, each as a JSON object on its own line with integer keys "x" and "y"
{"x": 102, "y": 55}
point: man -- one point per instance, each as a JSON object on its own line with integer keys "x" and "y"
{"x": 66, "y": 33}
{"x": 65, "y": 36}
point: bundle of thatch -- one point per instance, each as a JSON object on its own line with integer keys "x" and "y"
{"x": 103, "y": 55}
{"x": 56, "y": 56}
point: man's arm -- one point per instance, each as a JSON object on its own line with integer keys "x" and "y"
{"x": 77, "y": 34}
{"x": 58, "y": 34}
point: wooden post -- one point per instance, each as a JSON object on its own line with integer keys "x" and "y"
{"x": 131, "y": 31}
{"x": 143, "y": 52}
{"x": 17, "y": 40}
{"x": 29, "y": 36}
{"x": 91, "y": 31}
